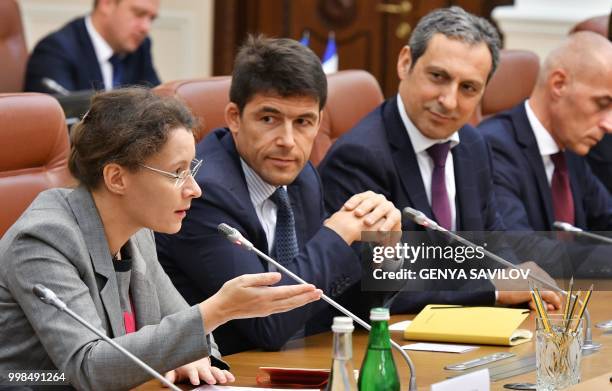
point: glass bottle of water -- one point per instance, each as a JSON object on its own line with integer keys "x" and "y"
{"x": 342, "y": 376}
{"x": 378, "y": 371}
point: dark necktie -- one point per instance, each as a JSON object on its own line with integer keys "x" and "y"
{"x": 117, "y": 64}
{"x": 440, "y": 204}
{"x": 285, "y": 240}
{"x": 563, "y": 201}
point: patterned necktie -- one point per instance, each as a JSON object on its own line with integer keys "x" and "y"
{"x": 285, "y": 240}
{"x": 117, "y": 64}
{"x": 563, "y": 201}
{"x": 440, "y": 204}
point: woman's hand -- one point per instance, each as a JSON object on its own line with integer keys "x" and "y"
{"x": 200, "y": 370}
{"x": 251, "y": 296}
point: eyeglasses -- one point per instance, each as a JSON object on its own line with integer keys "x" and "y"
{"x": 181, "y": 177}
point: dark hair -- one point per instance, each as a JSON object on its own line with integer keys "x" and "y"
{"x": 281, "y": 66}
{"x": 124, "y": 126}
{"x": 455, "y": 23}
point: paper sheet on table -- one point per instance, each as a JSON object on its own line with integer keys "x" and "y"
{"x": 440, "y": 347}
{"x": 399, "y": 326}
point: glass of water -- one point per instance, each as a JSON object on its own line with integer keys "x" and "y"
{"x": 558, "y": 352}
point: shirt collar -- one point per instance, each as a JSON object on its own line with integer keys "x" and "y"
{"x": 546, "y": 144}
{"x": 420, "y": 142}
{"x": 103, "y": 50}
{"x": 259, "y": 190}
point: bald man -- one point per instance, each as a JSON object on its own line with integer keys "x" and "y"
{"x": 540, "y": 173}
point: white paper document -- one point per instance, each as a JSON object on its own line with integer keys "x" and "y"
{"x": 399, "y": 326}
{"x": 473, "y": 381}
{"x": 439, "y": 347}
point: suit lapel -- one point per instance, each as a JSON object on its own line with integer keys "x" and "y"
{"x": 526, "y": 138}
{"x": 88, "y": 219}
{"x": 90, "y": 60}
{"x": 236, "y": 183}
{"x": 404, "y": 158}
{"x": 146, "y": 303}
{"x": 465, "y": 185}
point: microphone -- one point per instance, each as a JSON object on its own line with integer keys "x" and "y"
{"x": 421, "y": 219}
{"x": 47, "y": 296}
{"x": 54, "y": 86}
{"x": 567, "y": 227}
{"x": 426, "y": 222}
{"x": 234, "y": 236}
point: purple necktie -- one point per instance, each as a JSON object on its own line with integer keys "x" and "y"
{"x": 440, "y": 204}
{"x": 563, "y": 201}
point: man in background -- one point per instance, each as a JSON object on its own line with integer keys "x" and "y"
{"x": 101, "y": 51}
{"x": 540, "y": 173}
{"x": 418, "y": 151}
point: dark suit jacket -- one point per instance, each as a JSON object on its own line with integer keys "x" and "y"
{"x": 523, "y": 193}
{"x": 377, "y": 155}
{"x": 199, "y": 259}
{"x": 600, "y": 160}
{"x": 68, "y": 57}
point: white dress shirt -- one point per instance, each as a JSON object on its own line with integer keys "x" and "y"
{"x": 260, "y": 192}
{"x": 420, "y": 143}
{"x": 546, "y": 144}
{"x": 103, "y": 53}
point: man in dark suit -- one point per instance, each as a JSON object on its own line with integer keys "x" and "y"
{"x": 104, "y": 50}
{"x": 257, "y": 178}
{"x": 401, "y": 149}
{"x": 540, "y": 173}
{"x": 538, "y": 147}
{"x": 600, "y": 156}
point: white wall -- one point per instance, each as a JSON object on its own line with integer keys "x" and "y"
{"x": 540, "y": 25}
{"x": 182, "y": 35}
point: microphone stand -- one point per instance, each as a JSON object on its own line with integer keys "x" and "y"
{"x": 47, "y": 296}
{"x": 236, "y": 237}
{"x": 421, "y": 219}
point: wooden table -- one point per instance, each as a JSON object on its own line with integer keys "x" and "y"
{"x": 315, "y": 352}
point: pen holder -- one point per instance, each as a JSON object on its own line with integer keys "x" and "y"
{"x": 558, "y": 352}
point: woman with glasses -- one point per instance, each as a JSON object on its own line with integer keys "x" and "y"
{"x": 133, "y": 156}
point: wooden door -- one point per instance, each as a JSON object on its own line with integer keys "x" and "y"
{"x": 369, "y": 33}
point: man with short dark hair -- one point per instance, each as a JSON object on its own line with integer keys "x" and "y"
{"x": 101, "y": 51}
{"x": 257, "y": 178}
{"x": 418, "y": 150}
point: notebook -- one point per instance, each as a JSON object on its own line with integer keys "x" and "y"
{"x": 470, "y": 325}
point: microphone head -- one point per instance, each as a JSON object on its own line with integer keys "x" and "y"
{"x": 421, "y": 219}
{"x": 41, "y": 292}
{"x": 225, "y": 229}
{"x": 412, "y": 213}
{"x": 233, "y": 235}
{"x": 563, "y": 226}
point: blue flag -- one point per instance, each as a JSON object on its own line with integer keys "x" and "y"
{"x": 305, "y": 38}
{"x": 330, "y": 57}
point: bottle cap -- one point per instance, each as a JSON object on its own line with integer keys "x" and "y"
{"x": 379, "y": 314}
{"x": 342, "y": 324}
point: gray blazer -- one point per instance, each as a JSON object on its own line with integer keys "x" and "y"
{"x": 59, "y": 242}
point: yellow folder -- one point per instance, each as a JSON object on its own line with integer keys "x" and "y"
{"x": 473, "y": 325}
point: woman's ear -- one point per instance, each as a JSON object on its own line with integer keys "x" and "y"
{"x": 114, "y": 178}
